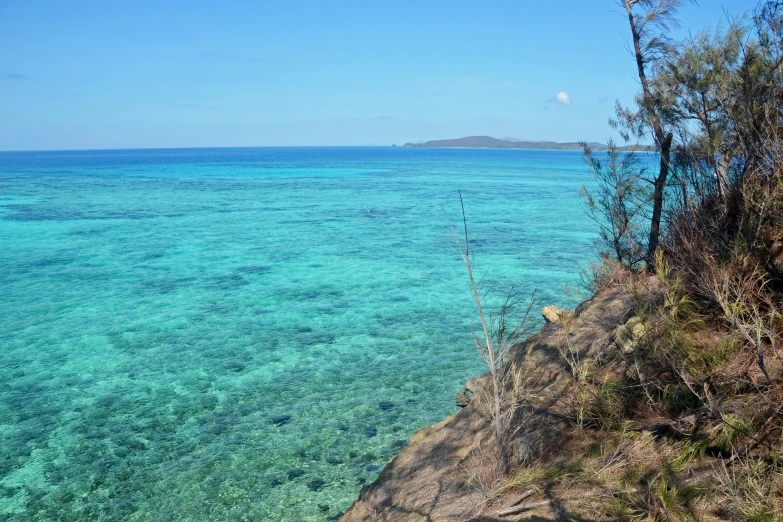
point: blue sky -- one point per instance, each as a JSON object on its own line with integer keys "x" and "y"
{"x": 170, "y": 73}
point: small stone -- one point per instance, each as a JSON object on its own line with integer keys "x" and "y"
{"x": 552, "y": 313}
{"x": 371, "y": 431}
{"x": 472, "y": 387}
{"x": 352, "y": 454}
{"x": 628, "y": 336}
{"x": 462, "y": 399}
{"x": 400, "y": 443}
{"x": 315, "y": 484}
{"x": 279, "y": 420}
{"x": 369, "y": 457}
{"x": 638, "y": 330}
{"x": 386, "y": 405}
{"x": 323, "y": 508}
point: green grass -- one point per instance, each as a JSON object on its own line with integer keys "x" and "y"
{"x": 544, "y": 475}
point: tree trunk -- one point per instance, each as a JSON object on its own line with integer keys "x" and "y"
{"x": 497, "y": 418}
{"x": 658, "y": 192}
{"x": 662, "y": 140}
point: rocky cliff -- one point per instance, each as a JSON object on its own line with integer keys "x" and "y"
{"x": 634, "y": 406}
{"x": 447, "y": 471}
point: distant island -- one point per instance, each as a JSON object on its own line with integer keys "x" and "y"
{"x": 488, "y": 142}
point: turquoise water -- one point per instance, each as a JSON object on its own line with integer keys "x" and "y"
{"x": 230, "y": 334}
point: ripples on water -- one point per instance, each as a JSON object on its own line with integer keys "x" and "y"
{"x": 224, "y": 333}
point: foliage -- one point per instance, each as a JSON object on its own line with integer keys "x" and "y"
{"x": 618, "y": 204}
{"x": 673, "y": 409}
{"x": 499, "y": 337}
{"x": 712, "y": 104}
{"x": 649, "y": 22}
{"x": 709, "y": 358}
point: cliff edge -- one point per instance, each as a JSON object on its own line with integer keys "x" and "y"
{"x": 629, "y": 407}
{"x": 447, "y": 471}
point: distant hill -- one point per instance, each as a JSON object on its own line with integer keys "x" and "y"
{"x": 487, "y": 142}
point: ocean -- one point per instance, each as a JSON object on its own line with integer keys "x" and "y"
{"x": 251, "y": 334}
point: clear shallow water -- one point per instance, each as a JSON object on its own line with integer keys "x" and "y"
{"x": 164, "y": 313}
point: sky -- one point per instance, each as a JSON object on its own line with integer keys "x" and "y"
{"x": 168, "y": 73}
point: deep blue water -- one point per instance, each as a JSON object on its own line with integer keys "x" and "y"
{"x": 208, "y": 334}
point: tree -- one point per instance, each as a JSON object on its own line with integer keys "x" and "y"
{"x": 701, "y": 80}
{"x": 725, "y": 89}
{"x": 499, "y": 336}
{"x": 618, "y": 203}
{"x": 649, "y": 21}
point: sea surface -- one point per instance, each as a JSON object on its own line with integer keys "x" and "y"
{"x": 251, "y": 334}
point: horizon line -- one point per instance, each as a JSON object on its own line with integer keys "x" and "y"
{"x": 213, "y": 147}
{"x": 394, "y": 145}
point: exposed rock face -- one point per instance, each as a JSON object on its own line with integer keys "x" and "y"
{"x": 462, "y": 399}
{"x": 444, "y": 473}
{"x": 551, "y": 313}
{"x": 472, "y": 387}
{"x": 629, "y": 334}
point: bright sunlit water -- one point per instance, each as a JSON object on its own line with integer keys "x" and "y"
{"x": 229, "y": 334}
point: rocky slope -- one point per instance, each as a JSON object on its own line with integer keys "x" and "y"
{"x": 446, "y": 473}
{"x": 630, "y": 407}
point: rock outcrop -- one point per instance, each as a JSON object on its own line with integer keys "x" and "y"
{"x": 552, "y": 314}
{"x": 630, "y": 334}
{"x": 472, "y": 388}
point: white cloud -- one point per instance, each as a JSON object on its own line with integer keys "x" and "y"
{"x": 564, "y": 98}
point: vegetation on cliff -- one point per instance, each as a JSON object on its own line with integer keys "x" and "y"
{"x": 661, "y": 398}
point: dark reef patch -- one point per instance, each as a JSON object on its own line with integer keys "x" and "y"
{"x": 40, "y": 213}
{"x": 228, "y": 282}
{"x": 369, "y": 457}
{"x": 277, "y": 480}
{"x": 54, "y": 260}
{"x": 315, "y": 484}
{"x": 253, "y": 269}
{"x": 295, "y": 473}
{"x": 86, "y": 232}
{"x": 154, "y": 254}
{"x": 234, "y": 366}
{"x": 166, "y": 286}
{"x": 310, "y": 339}
{"x": 279, "y": 420}
{"x": 333, "y": 460}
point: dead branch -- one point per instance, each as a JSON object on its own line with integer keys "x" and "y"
{"x": 523, "y": 507}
